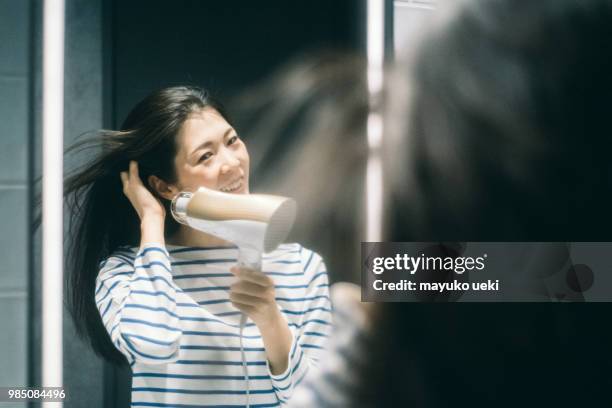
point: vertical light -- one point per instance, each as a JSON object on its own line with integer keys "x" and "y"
{"x": 52, "y": 194}
{"x": 374, "y": 172}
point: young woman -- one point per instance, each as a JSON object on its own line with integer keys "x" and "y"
{"x": 168, "y": 299}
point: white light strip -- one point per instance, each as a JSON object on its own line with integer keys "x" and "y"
{"x": 374, "y": 180}
{"x": 374, "y": 173}
{"x": 376, "y": 45}
{"x": 416, "y": 4}
{"x": 52, "y": 194}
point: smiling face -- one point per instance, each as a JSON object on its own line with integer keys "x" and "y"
{"x": 210, "y": 154}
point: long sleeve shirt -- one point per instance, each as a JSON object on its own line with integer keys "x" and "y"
{"x": 167, "y": 309}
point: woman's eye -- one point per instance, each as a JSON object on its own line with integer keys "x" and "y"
{"x": 232, "y": 140}
{"x": 205, "y": 156}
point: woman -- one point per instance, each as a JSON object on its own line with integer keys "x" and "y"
{"x": 167, "y": 298}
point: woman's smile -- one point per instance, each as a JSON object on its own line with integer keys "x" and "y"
{"x": 235, "y": 186}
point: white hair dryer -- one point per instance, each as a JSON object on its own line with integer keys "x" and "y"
{"x": 256, "y": 223}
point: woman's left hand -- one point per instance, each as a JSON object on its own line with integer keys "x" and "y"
{"x": 253, "y": 294}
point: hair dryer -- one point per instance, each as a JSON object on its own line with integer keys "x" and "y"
{"x": 256, "y": 223}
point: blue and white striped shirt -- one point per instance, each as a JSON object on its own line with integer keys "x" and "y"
{"x": 168, "y": 311}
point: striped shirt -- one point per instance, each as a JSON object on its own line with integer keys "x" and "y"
{"x": 167, "y": 309}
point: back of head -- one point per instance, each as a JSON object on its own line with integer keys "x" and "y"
{"x": 505, "y": 138}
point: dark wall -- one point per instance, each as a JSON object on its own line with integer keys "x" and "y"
{"x": 83, "y": 108}
{"x": 224, "y": 46}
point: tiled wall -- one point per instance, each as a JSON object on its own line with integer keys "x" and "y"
{"x": 83, "y": 371}
{"x": 14, "y": 128}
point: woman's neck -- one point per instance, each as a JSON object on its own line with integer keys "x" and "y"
{"x": 190, "y": 237}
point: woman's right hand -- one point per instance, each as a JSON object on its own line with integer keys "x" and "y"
{"x": 146, "y": 205}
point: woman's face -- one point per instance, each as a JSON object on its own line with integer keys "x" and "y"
{"x": 210, "y": 154}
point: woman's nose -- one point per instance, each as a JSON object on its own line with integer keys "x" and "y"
{"x": 230, "y": 163}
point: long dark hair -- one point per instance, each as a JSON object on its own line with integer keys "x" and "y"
{"x": 507, "y": 138}
{"x": 102, "y": 218}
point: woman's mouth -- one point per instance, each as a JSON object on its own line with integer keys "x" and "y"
{"x": 233, "y": 187}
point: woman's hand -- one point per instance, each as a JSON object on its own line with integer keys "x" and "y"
{"x": 253, "y": 294}
{"x": 149, "y": 208}
{"x": 145, "y": 204}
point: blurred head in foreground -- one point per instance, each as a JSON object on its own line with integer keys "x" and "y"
{"x": 496, "y": 129}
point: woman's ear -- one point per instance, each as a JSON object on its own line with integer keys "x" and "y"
{"x": 163, "y": 189}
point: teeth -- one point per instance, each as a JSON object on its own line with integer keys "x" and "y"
{"x": 234, "y": 186}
